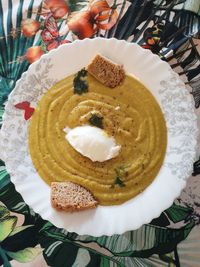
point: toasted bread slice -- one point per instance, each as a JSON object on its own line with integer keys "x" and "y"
{"x": 106, "y": 71}
{"x": 71, "y": 197}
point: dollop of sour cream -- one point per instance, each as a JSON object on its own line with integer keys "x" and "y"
{"x": 92, "y": 142}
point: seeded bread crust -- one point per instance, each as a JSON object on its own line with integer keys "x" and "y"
{"x": 106, "y": 71}
{"x": 71, "y": 197}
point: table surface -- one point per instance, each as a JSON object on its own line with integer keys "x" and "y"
{"x": 31, "y": 28}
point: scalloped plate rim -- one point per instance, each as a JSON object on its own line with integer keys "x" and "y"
{"x": 155, "y": 213}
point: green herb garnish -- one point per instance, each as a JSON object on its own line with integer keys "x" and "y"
{"x": 119, "y": 182}
{"x": 121, "y": 173}
{"x": 96, "y": 120}
{"x": 80, "y": 82}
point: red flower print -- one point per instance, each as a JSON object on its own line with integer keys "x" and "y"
{"x": 51, "y": 25}
{"x": 82, "y": 24}
{"x": 34, "y": 53}
{"x": 46, "y": 36}
{"x": 29, "y": 27}
{"x": 99, "y": 16}
{"x": 65, "y": 42}
{"x": 101, "y": 12}
{"x": 52, "y": 45}
{"x": 58, "y": 8}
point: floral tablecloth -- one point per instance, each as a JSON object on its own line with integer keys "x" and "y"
{"x": 31, "y": 28}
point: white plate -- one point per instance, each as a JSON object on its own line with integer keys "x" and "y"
{"x": 174, "y": 100}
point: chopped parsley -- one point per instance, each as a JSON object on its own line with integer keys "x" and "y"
{"x": 121, "y": 173}
{"x": 119, "y": 182}
{"x": 96, "y": 120}
{"x": 80, "y": 82}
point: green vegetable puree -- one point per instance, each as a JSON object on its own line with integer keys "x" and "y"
{"x": 138, "y": 126}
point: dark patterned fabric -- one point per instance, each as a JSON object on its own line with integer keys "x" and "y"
{"x": 31, "y": 28}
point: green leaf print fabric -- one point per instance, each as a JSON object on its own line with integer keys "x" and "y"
{"x": 31, "y": 28}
